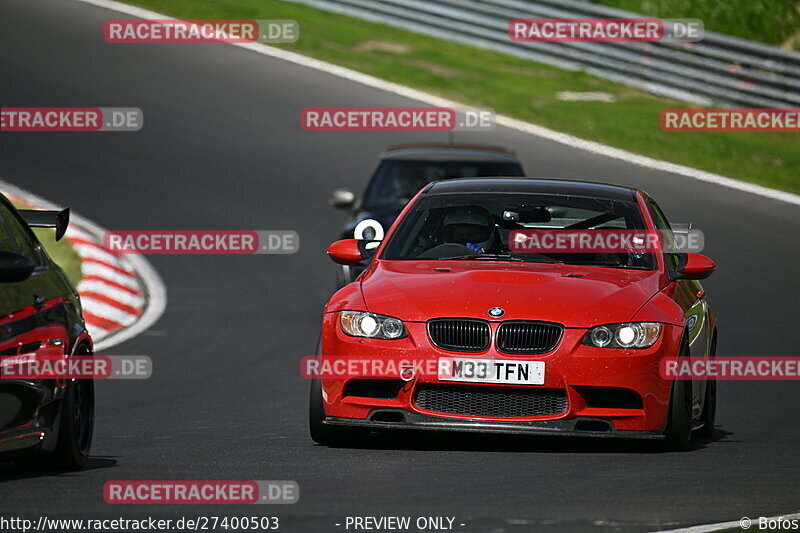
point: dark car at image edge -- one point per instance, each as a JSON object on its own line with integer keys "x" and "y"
{"x": 43, "y": 422}
{"x": 403, "y": 170}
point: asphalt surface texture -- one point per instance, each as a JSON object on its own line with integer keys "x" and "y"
{"x": 222, "y": 149}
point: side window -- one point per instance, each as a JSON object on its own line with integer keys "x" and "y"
{"x": 673, "y": 260}
{"x": 14, "y": 237}
{"x": 7, "y": 241}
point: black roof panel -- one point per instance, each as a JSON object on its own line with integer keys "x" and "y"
{"x": 533, "y": 185}
{"x": 443, "y": 152}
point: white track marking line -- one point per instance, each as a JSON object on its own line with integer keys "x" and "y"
{"x": 753, "y": 524}
{"x": 519, "y": 125}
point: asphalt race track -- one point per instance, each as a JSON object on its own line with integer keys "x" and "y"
{"x": 222, "y": 149}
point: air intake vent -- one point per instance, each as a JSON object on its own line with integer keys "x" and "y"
{"x": 459, "y": 334}
{"x": 491, "y": 401}
{"x": 30, "y": 347}
{"x": 526, "y": 338}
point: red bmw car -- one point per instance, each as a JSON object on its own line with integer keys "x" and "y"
{"x": 549, "y": 343}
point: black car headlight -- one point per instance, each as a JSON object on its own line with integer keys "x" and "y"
{"x": 628, "y": 335}
{"x": 371, "y": 325}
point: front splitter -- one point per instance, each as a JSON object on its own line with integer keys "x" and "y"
{"x": 400, "y": 419}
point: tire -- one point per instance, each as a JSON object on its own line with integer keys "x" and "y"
{"x": 76, "y": 427}
{"x": 679, "y": 423}
{"x": 709, "y": 409}
{"x": 710, "y": 403}
{"x": 329, "y": 435}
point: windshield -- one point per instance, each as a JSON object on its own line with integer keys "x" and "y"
{"x": 397, "y": 181}
{"x": 478, "y": 226}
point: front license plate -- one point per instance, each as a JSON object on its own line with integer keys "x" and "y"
{"x": 491, "y": 371}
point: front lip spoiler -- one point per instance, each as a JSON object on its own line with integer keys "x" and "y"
{"x": 418, "y": 421}
{"x": 19, "y": 439}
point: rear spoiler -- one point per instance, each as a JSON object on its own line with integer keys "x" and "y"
{"x": 47, "y": 219}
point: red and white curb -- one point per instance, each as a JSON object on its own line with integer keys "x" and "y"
{"x": 111, "y": 293}
{"x": 121, "y": 295}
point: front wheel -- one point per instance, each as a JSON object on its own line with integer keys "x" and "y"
{"x": 710, "y": 402}
{"x": 679, "y": 426}
{"x": 329, "y": 435}
{"x": 709, "y": 409}
{"x": 679, "y": 423}
{"x": 76, "y": 426}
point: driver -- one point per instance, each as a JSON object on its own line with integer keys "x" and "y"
{"x": 471, "y": 226}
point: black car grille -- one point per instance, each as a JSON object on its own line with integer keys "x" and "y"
{"x": 459, "y": 334}
{"x": 521, "y": 337}
{"x": 491, "y": 401}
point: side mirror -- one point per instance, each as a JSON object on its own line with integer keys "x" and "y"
{"x": 342, "y": 199}
{"x": 15, "y": 267}
{"x": 695, "y": 266}
{"x": 352, "y": 251}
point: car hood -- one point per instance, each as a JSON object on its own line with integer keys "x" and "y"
{"x": 575, "y": 296}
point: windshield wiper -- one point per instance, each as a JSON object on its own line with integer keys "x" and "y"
{"x": 492, "y": 257}
{"x": 607, "y": 265}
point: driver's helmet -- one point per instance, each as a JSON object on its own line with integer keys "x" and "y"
{"x": 469, "y": 225}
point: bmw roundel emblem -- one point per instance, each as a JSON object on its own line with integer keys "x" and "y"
{"x": 496, "y": 312}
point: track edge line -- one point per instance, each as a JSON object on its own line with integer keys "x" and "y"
{"x": 509, "y": 122}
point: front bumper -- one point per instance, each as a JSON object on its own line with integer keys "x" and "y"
{"x": 576, "y": 427}
{"x": 571, "y": 367}
{"x": 28, "y": 414}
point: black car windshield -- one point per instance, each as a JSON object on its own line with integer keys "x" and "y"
{"x": 479, "y": 227}
{"x": 396, "y": 181}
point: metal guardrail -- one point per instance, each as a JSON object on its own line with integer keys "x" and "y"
{"x": 719, "y": 70}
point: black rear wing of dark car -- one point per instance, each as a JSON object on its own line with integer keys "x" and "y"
{"x": 59, "y": 220}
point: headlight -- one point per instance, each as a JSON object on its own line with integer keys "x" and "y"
{"x": 629, "y": 335}
{"x": 363, "y": 324}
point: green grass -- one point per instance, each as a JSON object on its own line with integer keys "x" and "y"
{"x": 514, "y": 87}
{"x": 61, "y": 252}
{"x": 768, "y": 21}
